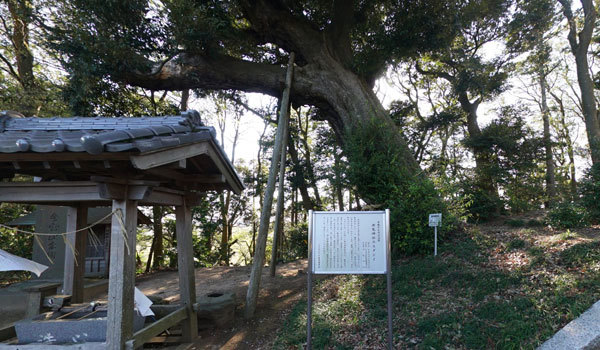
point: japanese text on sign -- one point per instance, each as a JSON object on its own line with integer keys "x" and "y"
{"x": 349, "y": 242}
{"x": 435, "y": 220}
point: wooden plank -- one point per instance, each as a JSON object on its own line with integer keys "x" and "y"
{"x": 122, "y": 181}
{"x": 154, "y": 159}
{"x": 118, "y": 191}
{"x": 7, "y": 332}
{"x": 121, "y": 275}
{"x": 185, "y": 267}
{"x": 69, "y": 266}
{"x": 80, "y": 248}
{"x": 147, "y": 333}
{"x": 55, "y": 192}
{"x": 158, "y": 197}
{"x": 82, "y": 346}
{"x": 230, "y": 176}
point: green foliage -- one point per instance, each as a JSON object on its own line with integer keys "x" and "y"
{"x": 581, "y": 253}
{"x": 515, "y": 222}
{"x": 513, "y": 154}
{"x": 567, "y": 215}
{"x": 516, "y": 244}
{"x": 380, "y": 171}
{"x": 296, "y": 242}
{"x": 589, "y": 188}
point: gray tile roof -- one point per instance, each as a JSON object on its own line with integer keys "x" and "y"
{"x": 95, "y": 135}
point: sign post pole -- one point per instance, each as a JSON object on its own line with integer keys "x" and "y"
{"x": 435, "y": 241}
{"x": 389, "y": 280}
{"x": 309, "y": 277}
{"x": 353, "y": 242}
{"x": 435, "y": 220}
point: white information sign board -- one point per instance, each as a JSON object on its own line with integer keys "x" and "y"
{"x": 435, "y": 220}
{"x": 349, "y": 242}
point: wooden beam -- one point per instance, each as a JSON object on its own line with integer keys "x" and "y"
{"x": 185, "y": 267}
{"x": 115, "y": 180}
{"x": 147, "y": 333}
{"x": 221, "y": 162}
{"x": 154, "y": 159}
{"x": 121, "y": 275}
{"x": 118, "y": 191}
{"x": 158, "y": 197}
{"x": 80, "y": 248}
{"x": 54, "y": 192}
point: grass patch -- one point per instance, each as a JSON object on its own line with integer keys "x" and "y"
{"x": 462, "y": 299}
{"x": 515, "y": 244}
{"x": 515, "y": 223}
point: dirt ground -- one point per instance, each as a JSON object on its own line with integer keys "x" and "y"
{"x": 277, "y": 296}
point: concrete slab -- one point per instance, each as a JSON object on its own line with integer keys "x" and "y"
{"x": 583, "y": 333}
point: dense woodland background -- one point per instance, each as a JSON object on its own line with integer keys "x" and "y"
{"x": 490, "y": 106}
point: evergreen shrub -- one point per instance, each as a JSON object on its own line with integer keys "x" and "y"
{"x": 590, "y": 194}
{"x": 567, "y": 215}
{"x": 388, "y": 177}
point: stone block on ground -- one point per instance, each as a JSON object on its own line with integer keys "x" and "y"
{"x": 216, "y": 309}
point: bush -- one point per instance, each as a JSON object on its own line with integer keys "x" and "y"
{"x": 297, "y": 242}
{"x": 483, "y": 206}
{"x": 567, "y": 215}
{"x": 386, "y": 176}
{"x": 590, "y": 194}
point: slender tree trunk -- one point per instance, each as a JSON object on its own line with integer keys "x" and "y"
{"x": 307, "y": 201}
{"x": 278, "y": 227}
{"x": 338, "y": 181}
{"x": 159, "y": 249}
{"x": 550, "y": 182}
{"x": 566, "y": 136}
{"x": 149, "y": 261}
{"x": 265, "y": 215}
{"x": 579, "y": 42}
{"x": 224, "y": 229}
{"x": 185, "y": 97}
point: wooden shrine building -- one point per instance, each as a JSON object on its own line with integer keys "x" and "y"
{"x": 119, "y": 162}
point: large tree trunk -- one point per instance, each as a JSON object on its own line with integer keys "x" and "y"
{"x": 579, "y": 42}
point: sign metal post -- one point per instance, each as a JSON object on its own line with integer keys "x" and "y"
{"x": 349, "y": 243}
{"x": 435, "y": 220}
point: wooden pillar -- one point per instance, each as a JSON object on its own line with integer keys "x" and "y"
{"x": 80, "y": 248}
{"x": 74, "y": 266}
{"x": 185, "y": 266}
{"x": 121, "y": 275}
{"x": 67, "y": 287}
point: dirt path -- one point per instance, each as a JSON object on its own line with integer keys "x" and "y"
{"x": 277, "y": 297}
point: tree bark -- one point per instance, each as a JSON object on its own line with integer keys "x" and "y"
{"x": 159, "y": 249}
{"x": 483, "y": 163}
{"x": 550, "y": 182}
{"x": 278, "y": 226}
{"x": 579, "y": 42}
{"x": 566, "y": 136}
{"x": 265, "y": 215}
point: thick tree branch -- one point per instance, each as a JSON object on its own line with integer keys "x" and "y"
{"x": 435, "y": 73}
{"x": 338, "y": 32}
{"x": 218, "y": 72}
{"x": 274, "y": 21}
{"x": 10, "y": 69}
{"x": 572, "y": 36}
